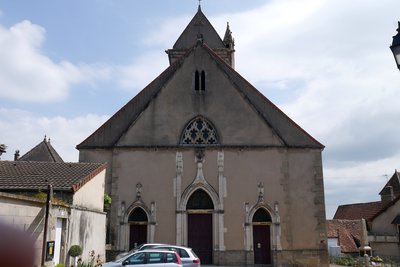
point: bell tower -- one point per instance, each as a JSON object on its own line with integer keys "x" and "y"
{"x": 200, "y": 31}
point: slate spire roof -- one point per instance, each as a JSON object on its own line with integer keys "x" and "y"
{"x": 199, "y": 28}
{"x": 44, "y": 151}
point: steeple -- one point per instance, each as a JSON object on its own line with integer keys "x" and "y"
{"x": 200, "y": 30}
{"x": 229, "y": 42}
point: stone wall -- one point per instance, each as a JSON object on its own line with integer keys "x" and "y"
{"x": 26, "y": 214}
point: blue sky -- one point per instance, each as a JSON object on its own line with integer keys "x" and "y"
{"x": 66, "y": 66}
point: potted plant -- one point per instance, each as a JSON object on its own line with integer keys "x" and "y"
{"x": 75, "y": 251}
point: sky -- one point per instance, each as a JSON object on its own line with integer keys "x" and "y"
{"x": 67, "y": 66}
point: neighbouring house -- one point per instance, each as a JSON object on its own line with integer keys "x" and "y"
{"x": 75, "y": 214}
{"x": 44, "y": 151}
{"x": 382, "y": 219}
{"x": 202, "y": 148}
{"x": 344, "y": 237}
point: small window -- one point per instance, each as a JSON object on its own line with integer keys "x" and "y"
{"x": 183, "y": 254}
{"x": 196, "y": 81}
{"x": 155, "y": 257}
{"x": 138, "y": 258}
{"x": 203, "y": 80}
{"x": 171, "y": 257}
{"x": 200, "y": 81}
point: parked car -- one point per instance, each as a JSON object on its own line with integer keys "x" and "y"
{"x": 148, "y": 258}
{"x": 187, "y": 255}
{"x": 138, "y": 248}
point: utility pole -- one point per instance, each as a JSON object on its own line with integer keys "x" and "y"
{"x": 46, "y": 219}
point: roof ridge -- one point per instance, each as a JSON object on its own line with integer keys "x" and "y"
{"x": 225, "y": 64}
{"x": 141, "y": 99}
{"x": 384, "y": 208}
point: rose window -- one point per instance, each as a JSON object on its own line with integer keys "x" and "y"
{"x": 199, "y": 132}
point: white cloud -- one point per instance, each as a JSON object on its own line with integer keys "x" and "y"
{"x": 27, "y": 74}
{"x": 25, "y": 130}
{"x": 142, "y": 71}
{"x": 329, "y": 64}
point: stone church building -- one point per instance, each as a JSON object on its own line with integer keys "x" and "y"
{"x": 201, "y": 158}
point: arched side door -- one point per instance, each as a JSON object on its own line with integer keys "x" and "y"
{"x": 137, "y": 227}
{"x": 200, "y": 225}
{"x": 262, "y": 237}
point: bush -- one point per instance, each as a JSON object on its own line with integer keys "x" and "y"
{"x": 346, "y": 260}
{"x": 75, "y": 251}
{"x": 59, "y": 265}
{"x": 107, "y": 201}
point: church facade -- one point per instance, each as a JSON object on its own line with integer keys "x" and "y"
{"x": 201, "y": 158}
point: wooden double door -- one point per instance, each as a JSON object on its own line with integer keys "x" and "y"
{"x": 262, "y": 244}
{"x": 137, "y": 235}
{"x": 200, "y": 237}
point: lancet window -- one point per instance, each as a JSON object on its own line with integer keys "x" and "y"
{"x": 200, "y": 80}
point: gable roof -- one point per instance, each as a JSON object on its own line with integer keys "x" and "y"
{"x": 358, "y": 211}
{"x": 394, "y": 182}
{"x": 199, "y": 28}
{"x": 348, "y": 233}
{"x": 28, "y": 175}
{"x": 286, "y": 129}
{"x": 386, "y": 207}
{"x": 44, "y": 151}
{"x": 289, "y": 133}
{"x": 111, "y": 131}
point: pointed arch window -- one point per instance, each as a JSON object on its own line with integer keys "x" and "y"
{"x": 138, "y": 215}
{"x": 199, "y": 132}
{"x": 200, "y": 200}
{"x": 261, "y": 215}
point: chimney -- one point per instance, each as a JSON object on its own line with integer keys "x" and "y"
{"x": 387, "y": 195}
{"x": 16, "y": 155}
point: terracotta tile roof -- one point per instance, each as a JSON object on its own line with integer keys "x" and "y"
{"x": 358, "y": 211}
{"x": 348, "y": 233}
{"x": 44, "y": 151}
{"x": 27, "y": 175}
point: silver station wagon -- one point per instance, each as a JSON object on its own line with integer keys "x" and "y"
{"x": 148, "y": 258}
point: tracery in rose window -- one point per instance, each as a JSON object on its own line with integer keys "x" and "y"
{"x": 199, "y": 132}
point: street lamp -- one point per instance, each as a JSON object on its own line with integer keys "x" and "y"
{"x": 395, "y": 47}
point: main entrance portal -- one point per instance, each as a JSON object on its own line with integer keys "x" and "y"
{"x": 200, "y": 220}
{"x": 262, "y": 237}
{"x": 137, "y": 228}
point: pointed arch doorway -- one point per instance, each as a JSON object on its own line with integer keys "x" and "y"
{"x": 262, "y": 237}
{"x": 138, "y": 222}
{"x": 200, "y": 225}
